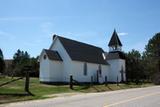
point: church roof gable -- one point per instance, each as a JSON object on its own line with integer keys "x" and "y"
{"x": 82, "y": 52}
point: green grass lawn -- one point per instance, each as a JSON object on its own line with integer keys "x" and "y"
{"x": 41, "y": 91}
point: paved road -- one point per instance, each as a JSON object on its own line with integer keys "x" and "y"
{"x": 140, "y": 97}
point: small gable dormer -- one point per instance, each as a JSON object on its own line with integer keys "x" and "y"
{"x": 115, "y": 43}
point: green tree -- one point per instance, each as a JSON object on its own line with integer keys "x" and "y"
{"x": 20, "y": 59}
{"x": 152, "y": 56}
{"x": 35, "y": 66}
{"x": 2, "y": 63}
{"x": 134, "y": 68}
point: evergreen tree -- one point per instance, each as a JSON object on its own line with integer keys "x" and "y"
{"x": 152, "y": 56}
{"x": 134, "y": 67}
{"x": 35, "y": 66}
{"x": 1, "y": 54}
{"x": 2, "y": 63}
{"x": 20, "y": 59}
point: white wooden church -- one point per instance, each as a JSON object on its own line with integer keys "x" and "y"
{"x": 83, "y": 61}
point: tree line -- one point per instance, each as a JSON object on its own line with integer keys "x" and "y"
{"x": 145, "y": 66}
{"x": 139, "y": 66}
{"x": 16, "y": 67}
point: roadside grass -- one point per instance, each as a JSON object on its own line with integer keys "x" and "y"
{"x": 14, "y": 92}
{"x": 110, "y": 87}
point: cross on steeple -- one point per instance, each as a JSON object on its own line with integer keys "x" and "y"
{"x": 115, "y": 43}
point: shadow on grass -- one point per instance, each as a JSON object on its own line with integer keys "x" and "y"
{"x": 18, "y": 94}
{"x": 96, "y": 88}
{"x": 109, "y": 87}
{"x": 81, "y": 87}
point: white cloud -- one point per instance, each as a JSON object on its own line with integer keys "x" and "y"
{"x": 122, "y": 33}
{"x": 22, "y": 18}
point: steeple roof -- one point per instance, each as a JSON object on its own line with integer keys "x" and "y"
{"x": 115, "y": 41}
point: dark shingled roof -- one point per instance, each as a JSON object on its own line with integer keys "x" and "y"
{"x": 53, "y": 55}
{"x": 115, "y": 55}
{"x": 115, "y": 41}
{"x": 82, "y": 52}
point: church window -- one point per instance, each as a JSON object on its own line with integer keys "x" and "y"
{"x": 85, "y": 69}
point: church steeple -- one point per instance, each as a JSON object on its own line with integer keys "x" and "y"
{"x": 115, "y": 43}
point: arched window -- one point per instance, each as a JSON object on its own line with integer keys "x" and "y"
{"x": 85, "y": 69}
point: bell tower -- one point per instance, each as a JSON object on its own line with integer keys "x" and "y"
{"x": 115, "y": 43}
{"x": 116, "y": 59}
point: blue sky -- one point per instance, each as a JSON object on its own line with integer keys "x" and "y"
{"x": 29, "y": 24}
